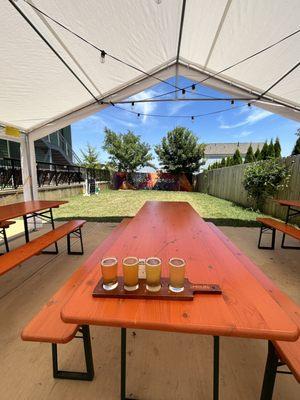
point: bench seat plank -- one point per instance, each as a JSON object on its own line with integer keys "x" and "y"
{"x": 47, "y": 325}
{"x": 289, "y": 352}
{"x": 281, "y": 226}
{"x": 6, "y": 224}
{"x": 15, "y": 257}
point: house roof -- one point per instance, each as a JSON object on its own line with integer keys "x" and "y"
{"x": 51, "y": 74}
{"x": 222, "y": 149}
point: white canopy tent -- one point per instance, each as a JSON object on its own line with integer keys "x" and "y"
{"x": 51, "y": 74}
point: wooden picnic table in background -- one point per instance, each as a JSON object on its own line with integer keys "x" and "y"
{"x": 293, "y": 208}
{"x": 29, "y": 209}
{"x": 174, "y": 229}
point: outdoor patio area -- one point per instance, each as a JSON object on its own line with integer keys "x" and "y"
{"x": 158, "y": 363}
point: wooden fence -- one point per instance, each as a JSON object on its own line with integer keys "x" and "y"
{"x": 227, "y": 183}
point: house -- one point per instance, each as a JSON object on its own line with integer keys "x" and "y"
{"x": 54, "y": 148}
{"x": 216, "y": 151}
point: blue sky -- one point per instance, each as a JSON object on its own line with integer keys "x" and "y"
{"x": 240, "y": 124}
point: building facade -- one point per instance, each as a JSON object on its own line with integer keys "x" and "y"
{"x": 55, "y": 148}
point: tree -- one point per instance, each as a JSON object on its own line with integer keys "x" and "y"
{"x": 257, "y": 154}
{"x": 271, "y": 150}
{"x": 229, "y": 161}
{"x": 266, "y": 178}
{"x": 180, "y": 151}
{"x": 90, "y": 157}
{"x": 264, "y": 151}
{"x": 277, "y": 148}
{"x": 296, "y": 149}
{"x": 249, "y": 155}
{"x": 223, "y": 162}
{"x": 126, "y": 151}
{"x": 237, "y": 158}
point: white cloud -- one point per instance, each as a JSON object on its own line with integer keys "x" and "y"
{"x": 144, "y": 108}
{"x": 254, "y": 116}
{"x": 242, "y": 134}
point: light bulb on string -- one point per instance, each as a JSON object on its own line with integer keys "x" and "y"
{"x": 183, "y": 92}
{"x": 103, "y": 54}
{"x": 232, "y": 102}
{"x": 138, "y": 115}
{"x": 249, "y": 104}
{"x": 193, "y": 119}
{"x": 193, "y": 87}
{"x": 132, "y": 105}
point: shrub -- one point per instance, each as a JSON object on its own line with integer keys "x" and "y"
{"x": 265, "y": 178}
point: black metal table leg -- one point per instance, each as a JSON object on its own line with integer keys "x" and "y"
{"x": 26, "y": 231}
{"x": 270, "y": 373}
{"x": 216, "y": 367}
{"x": 123, "y": 363}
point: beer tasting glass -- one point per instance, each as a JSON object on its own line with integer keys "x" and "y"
{"x": 177, "y": 273}
{"x": 131, "y": 273}
{"x": 153, "y": 274}
{"x": 109, "y": 268}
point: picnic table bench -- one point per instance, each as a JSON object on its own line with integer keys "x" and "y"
{"x": 275, "y": 225}
{"x": 279, "y": 352}
{"x": 47, "y": 325}
{"x": 19, "y": 255}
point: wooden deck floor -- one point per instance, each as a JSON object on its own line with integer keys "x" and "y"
{"x": 160, "y": 365}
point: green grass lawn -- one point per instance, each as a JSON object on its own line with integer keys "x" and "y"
{"x": 113, "y": 205}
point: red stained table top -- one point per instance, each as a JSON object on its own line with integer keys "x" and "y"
{"x": 291, "y": 203}
{"x": 168, "y": 229}
{"x": 15, "y": 210}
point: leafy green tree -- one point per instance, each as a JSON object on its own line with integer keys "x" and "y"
{"x": 249, "y": 155}
{"x": 264, "y": 151}
{"x": 265, "y": 178}
{"x": 271, "y": 150}
{"x": 237, "y": 158}
{"x": 229, "y": 161}
{"x": 90, "y": 157}
{"x": 126, "y": 151}
{"x": 180, "y": 151}
{"x": 277, "y": 148}
{"x": 296, "y": 149}
{"x": 223, "y": 162}
{"x": 257, "y": 154}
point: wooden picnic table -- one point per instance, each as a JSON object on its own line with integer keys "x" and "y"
{"x": 29, "y": 209}
{"x": 293, "y": 207}
{"x": 168, "y": 229}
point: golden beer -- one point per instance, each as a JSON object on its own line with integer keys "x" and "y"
{"x": 131, "y": 273}
{"x": 153, "y": 274}
{"x": 177, "y": 273}
{"x": 109, "y": 268}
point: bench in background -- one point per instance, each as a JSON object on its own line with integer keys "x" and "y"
{"x": 273, "y": 225}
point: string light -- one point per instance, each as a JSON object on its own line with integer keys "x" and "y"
{"x": 193, "y": 119}
{"x": 232, "y": 102}
{"x": 132, "y": 105}
{"x": 103, "y": 54}
{"x": 138, "y": 115}
{"x": 183, "y": 92}
{"x": 249, "y": 104}
{"x": 193, "y": 87}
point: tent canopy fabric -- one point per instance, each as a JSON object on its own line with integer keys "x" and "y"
{"x": 40, "y": 94}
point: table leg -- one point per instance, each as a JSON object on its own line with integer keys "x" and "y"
{"x": 123, "y": 363}
{"x": 216, "y": 367}
{"x": 270, "y": 373}
{"x": 53, "y": 227}
{"x": 26, "y": 231}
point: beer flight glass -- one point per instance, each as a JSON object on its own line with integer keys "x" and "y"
{"x": 109, "y": 267}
